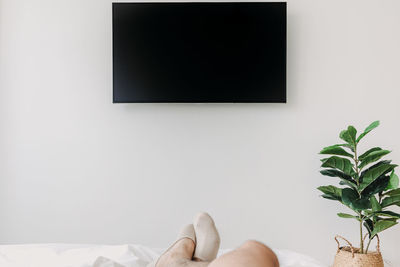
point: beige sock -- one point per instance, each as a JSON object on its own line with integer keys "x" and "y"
{"x": 207, "y": 238}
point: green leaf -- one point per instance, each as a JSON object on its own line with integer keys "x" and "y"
{"x": 372, "y": 157}
{"x": 323, "y": 160}
{"x": 339, "y": 163}
{"x": 361, "y": 204}
{"x": 336, "y": 173}
{"x": 395, "y": 192}
{"x": 375, "y": 204}
{"x": 386, "y": 219}
{"x": 367, "y": 130}
{"x": 389, "y": 201}
{"x": 387, "y": 213}
{"x": 393, "y": 181}
{"x": 331, "y": 192}
{"x": 351, "y": 199}
{"x": 347, "y": 146}
{"x": 376, "y": 186}
{"x": 372, "y": 174}
{"x": 349, "y": 136}
{"x": 373, "y": 167}
{"x": 330, "y": 197}
{"x": 344, "y": 177}
{"x": 347, "y": 216}
{"x": 349, "y": 184}
{"x": 366, "y": 153}
{"x": 348, "y": 196}
{"x": 381, "y": 226}
{"x": 335, "y": 150}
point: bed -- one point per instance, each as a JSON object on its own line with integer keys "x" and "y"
{"x": 67, "y": 255}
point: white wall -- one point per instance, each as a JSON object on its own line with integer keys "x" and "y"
{"x": 76, "y": 168}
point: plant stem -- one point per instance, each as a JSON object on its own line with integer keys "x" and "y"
{"x": 369, "y": 242}
{"x": 361, "y": 236}
{"x": 360, "y": 213}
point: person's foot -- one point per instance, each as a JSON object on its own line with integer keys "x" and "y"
{"x": 181, "y": 251}
{"x": 207, "y": 238}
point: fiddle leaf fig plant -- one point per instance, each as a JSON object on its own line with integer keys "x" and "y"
{"x": 368, "y": 184}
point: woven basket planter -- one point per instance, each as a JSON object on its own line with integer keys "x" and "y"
{"x": 348, "y": 256}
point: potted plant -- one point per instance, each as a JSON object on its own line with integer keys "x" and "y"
{"x": 368, "y": 187}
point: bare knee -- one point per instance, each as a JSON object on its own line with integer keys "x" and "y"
{"x": 255, "y": 245}
{"x": 262, "y": 251}
{"x": 251, "y": 253}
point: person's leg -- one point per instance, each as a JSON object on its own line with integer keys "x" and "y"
{"x": 251, "y": 253}
{"x": 180, "y": 255}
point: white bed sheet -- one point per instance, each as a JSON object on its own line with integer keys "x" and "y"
{"x": 66, "y": 255}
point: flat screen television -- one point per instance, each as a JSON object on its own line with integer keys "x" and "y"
{"x": 199, "y": 52}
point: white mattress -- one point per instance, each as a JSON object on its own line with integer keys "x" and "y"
{"x": 65, "y": 255}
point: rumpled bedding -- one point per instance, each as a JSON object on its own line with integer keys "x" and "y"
{"x": 66, "y": 255}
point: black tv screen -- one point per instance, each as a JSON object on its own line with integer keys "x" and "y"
{"x": 199, "y": 52}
